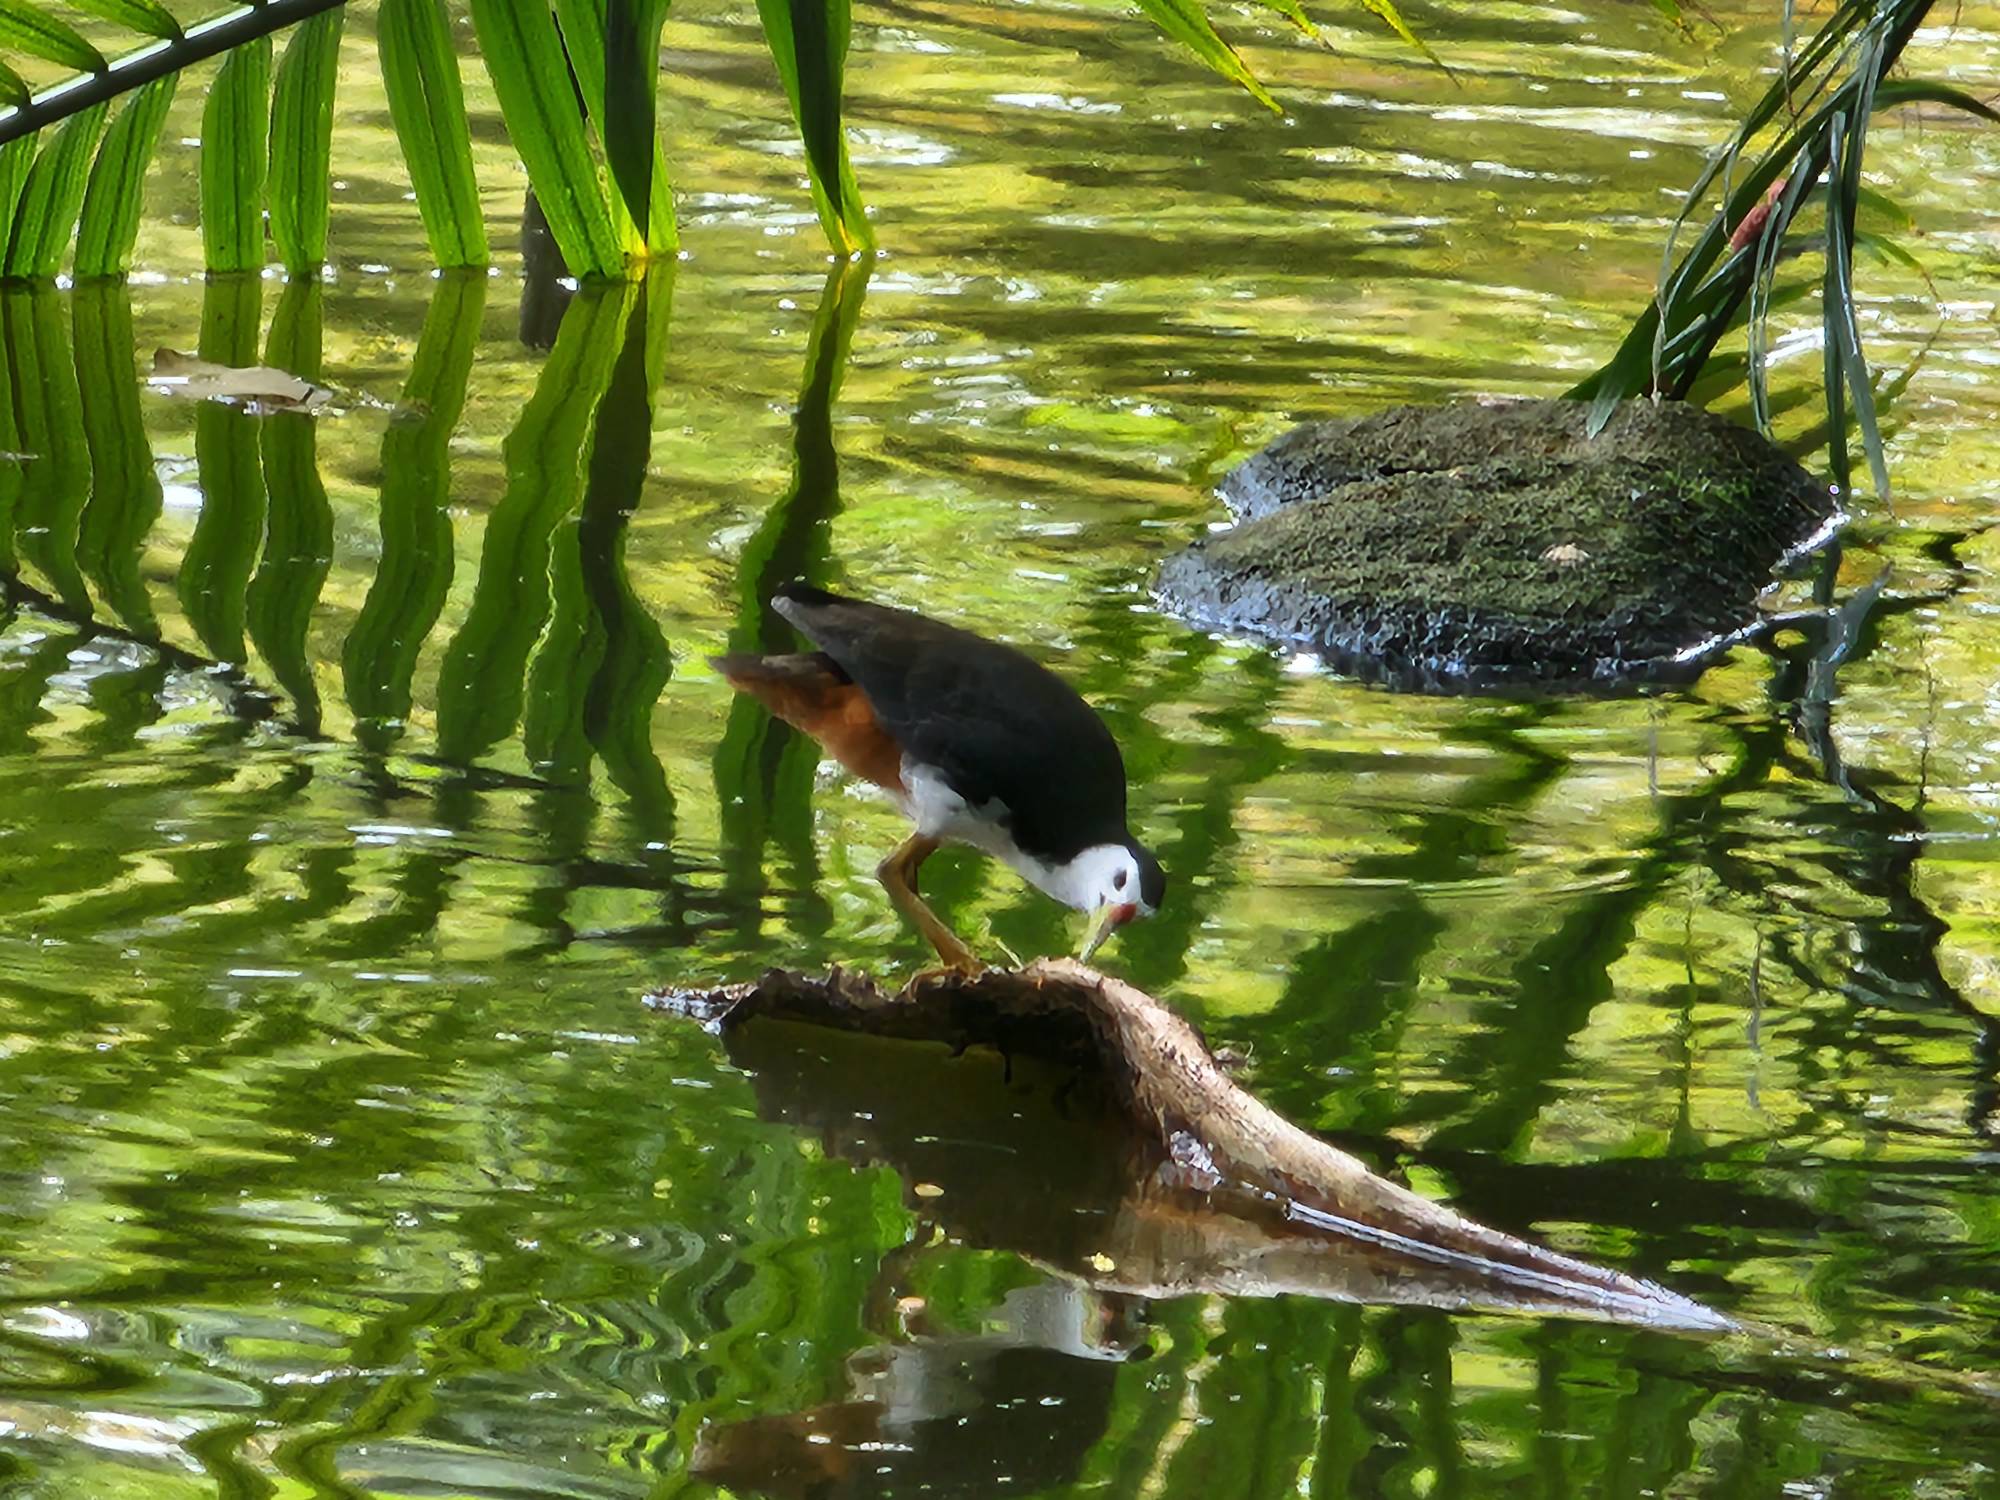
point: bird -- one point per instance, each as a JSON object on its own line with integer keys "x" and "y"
{"x": 974, "y": 741}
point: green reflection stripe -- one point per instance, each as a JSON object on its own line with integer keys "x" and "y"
{"x": 125, "y": 495}
{"x": 298, "y": 542}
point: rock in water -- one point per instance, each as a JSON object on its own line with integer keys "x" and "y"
{"x": 1481, "y": 545}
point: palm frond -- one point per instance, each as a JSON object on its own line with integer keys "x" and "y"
{"x": 578, "y": 89}
{"x": 233, "y": 159}
{"x": 302, "y": 141}
{"x": 427, "y": 104}
{"x": 1819, "y": 109}
{"x": 110, "y": 221}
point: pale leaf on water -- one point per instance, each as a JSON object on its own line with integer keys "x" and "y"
{"x": 257, "y": 386}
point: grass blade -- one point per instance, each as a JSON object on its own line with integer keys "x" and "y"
{"x": 808, "y": 41}
{"x": 45, "y": 217}
{"x": 1845, "y": 358}
{"x": 31, "y": 29}
{"x": 1892, "y": 92}
{"x": 427, "y": 102}
{"x": 232, "y": 160}
{"x": 1187, "y": 23}
{"x": 147, "y": 17}
{"x": 117, "y": 188}
{"x": 302, "y": 139}
{"x": 13, "y": 87}
{"x": 530, "y": 72}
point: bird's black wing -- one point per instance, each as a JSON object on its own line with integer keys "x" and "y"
{"x": 995, "y": 723}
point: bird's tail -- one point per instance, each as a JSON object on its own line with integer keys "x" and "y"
{"x": 810, "y": 692}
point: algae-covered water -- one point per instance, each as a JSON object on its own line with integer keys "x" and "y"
{"x": 359, "y": 772}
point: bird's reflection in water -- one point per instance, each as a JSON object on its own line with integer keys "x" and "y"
{"x": 1013, "y": 1409}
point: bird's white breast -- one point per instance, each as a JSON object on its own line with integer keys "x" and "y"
{"x": 941, "y": 813}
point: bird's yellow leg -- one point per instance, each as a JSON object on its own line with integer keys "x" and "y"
{"x": 898, "y": 874}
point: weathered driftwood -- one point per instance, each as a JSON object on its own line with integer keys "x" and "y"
{"x": 1210, "y": 1189}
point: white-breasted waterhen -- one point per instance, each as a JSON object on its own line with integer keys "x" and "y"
{"x": 976, "y": 742}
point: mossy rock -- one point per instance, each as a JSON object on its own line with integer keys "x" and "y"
{"x": 1475, "y": 545}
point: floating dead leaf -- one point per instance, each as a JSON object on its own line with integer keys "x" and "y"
{"x": 257, "y": 387}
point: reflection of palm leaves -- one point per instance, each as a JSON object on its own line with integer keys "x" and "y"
{"x": 763, "y": 772}
{"x": 298, "y": 547}
{"x": 215, "y": 569}
{"x": 49, "y": 411}
{"x": 413, "y": 571}
{"x": 125, "y": 494}
{"x": 481, "y": 688}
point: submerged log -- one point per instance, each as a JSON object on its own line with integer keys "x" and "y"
{"x": 1162, "y": 1176}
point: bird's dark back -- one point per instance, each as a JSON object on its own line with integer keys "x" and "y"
{"x": 998, "y": 725}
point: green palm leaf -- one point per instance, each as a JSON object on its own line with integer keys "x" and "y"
{"x": 232, "y": 159}
{"x": 1187, "y": 23}
{"x": 110, "y": 221}
{"x": 147, "y": 17}
{"x": 30, "y": 29}
{"x": 427, "y": 103}
{"x": 45, "y": 217}
{"x": 808, "y": 41}
{"x": 530, "y": 72}
{"x": 301, "y": 141}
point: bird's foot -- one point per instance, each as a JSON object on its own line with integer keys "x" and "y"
{"x": 967, "y": 968}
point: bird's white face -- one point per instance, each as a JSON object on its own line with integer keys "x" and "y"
{"x": 1103, "y": 875}
{"x": 1105, "y": 880}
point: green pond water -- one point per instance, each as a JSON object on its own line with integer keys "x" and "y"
{"x": 359, "y": 772}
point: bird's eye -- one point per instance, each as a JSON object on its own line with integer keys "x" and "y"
{"x": 1118, "y": 881}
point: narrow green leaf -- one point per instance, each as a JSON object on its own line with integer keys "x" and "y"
{"x": 147, "y": 17}
{"x": 1846, "y": 360}
{"x": 301, "y": 140}
{"x": 1294, "y": 12}
{"x": 427, "y": 102}
{"x": 1386, "y": 12}
{"x": 414, "y": 562}
{"x": 45, "y": 217}
{"x": 808, "y": 41}
{"x": 111, "y": 203}
{"x": 232, "y": 159}
{"x": 13, "y": 87}
{"x": 530, "y": 72}
{"x": 629, "y": 120}
{"x": 1892, "y": 92}
{"x": 588, "y": 37}
{"x": 1187, "y": 23}
{"x": 31, "y": 29}
{"x": 17, "y": 158}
